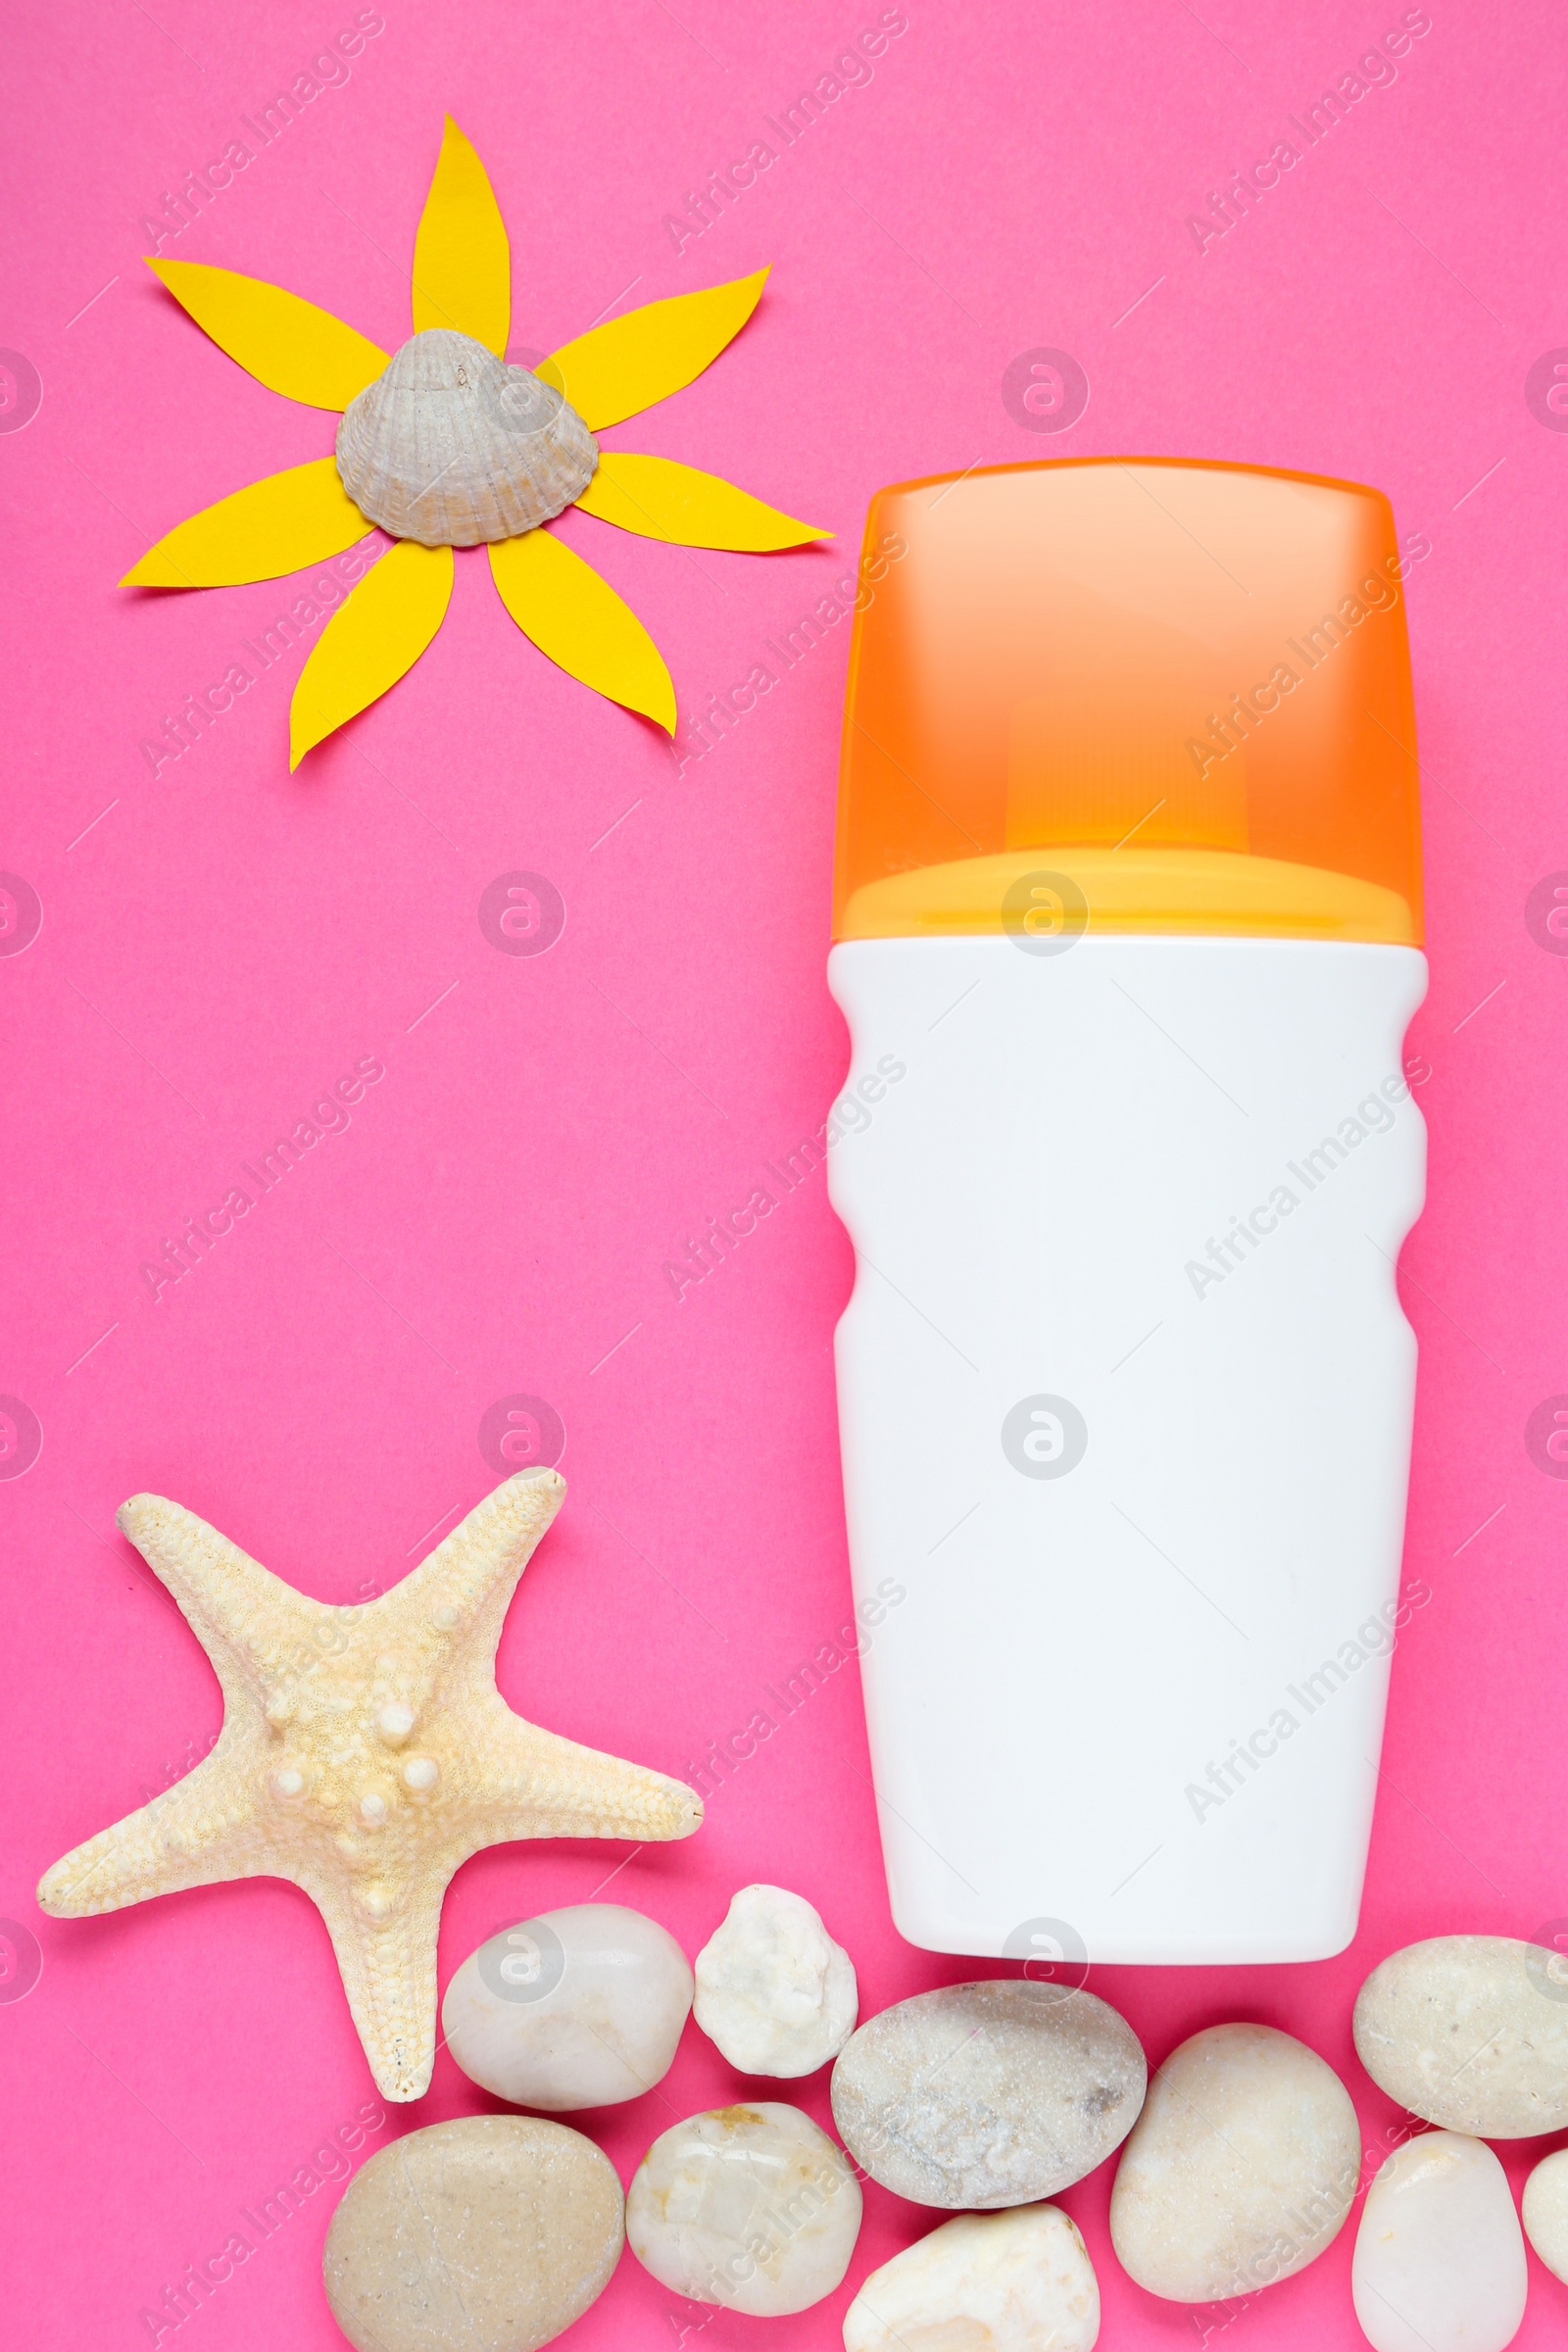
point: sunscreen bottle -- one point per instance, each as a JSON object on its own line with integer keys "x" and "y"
{"x": 1128, "y": 884}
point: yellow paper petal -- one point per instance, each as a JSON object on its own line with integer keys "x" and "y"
{"x": 627, "y": 364}
{"x": 659, "y": 498}
{"x": 461, "y": 262}
{"x": 284, "y": 341}
{"x": 377, "y": 637}
{"x": 577, "y": 620}
{"x": 273, "y": 526}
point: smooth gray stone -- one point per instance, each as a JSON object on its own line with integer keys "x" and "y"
{"x": 987, "y": 2094}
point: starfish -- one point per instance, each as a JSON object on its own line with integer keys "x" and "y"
{"x": 366, "y": 1753}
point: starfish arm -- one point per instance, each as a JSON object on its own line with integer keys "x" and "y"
{"x": 384, "y": 1936}
{"x": 270, "y": 527}
{"x": 366, "y": 1753}
{"x": 578, "y": 620}
{"x": 247, "y": 1620}
{"x": 370, "y": 642}
{"x": 529, "y": 1782}
{"x": 629, "y": 362}
{"x": 201, "y": 1832}
{"x": 659, "y": 499}
{"x": 286, "y": 343}
{"x": 461, "y": 260}
{"x": 460, "y": 1593}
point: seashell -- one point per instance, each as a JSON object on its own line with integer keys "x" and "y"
{"x": 452, "y": 447}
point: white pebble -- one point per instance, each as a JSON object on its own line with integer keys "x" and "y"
{"x": 580, "y": 2007}
{"x": 1241, "y": 2169}
{"x": 1470, "y": 2032}
{"x": 1014, "y": 2282}
{"x": 773, "y": 1989}
{"x": 1546, "y": 2209}
{"x": 1440, "y": 2261}
{"x": 750, "y": 2207}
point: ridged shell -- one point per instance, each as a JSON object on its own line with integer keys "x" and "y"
{"x": 451, "y": 447}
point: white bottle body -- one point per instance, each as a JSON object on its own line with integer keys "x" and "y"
{"x": 1129, "y": 1700}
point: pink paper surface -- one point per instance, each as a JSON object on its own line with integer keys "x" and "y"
{"x": 220, "y": 942}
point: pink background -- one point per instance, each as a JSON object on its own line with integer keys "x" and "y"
{"x": 222, "y": 942}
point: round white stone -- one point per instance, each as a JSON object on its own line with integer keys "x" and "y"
{"x": 773, "y": 1989}
{"x": 1241, "y": 2169}
{"x": 1440, "y": 2261}
{"x": 750, "y": 2207}
{"x": 1013, "y": 2282}
{"x": 580, "y": 2007}
{"x": 987, "y": 2095}
{"x": 1546, "y": 2209}
{"x": 1470, "y": 2032}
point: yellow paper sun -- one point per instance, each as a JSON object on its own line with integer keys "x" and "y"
{"x": 457, "y": 422}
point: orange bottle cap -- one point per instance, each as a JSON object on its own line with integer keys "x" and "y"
{"x": 1133, "y": 695}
